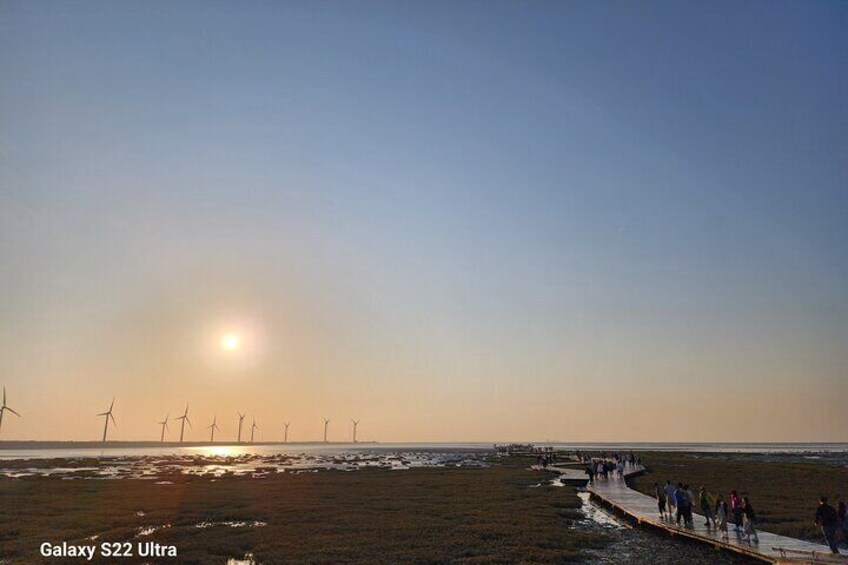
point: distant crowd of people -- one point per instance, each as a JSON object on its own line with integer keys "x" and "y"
{"x": 605, "y": 466}
{"x": 545, "y": 456}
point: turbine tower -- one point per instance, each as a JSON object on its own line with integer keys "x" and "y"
{"x": 253, "y": 428}
{"x": 286, "y": 437}
{"x": 213, "y": 427}
{"x": 184, "y": 419}
{"x": 107, "y": 415}
{"x": 355, "y": 423}
{"x": 4, "y": 408}
{"x": 164, "y": 424}
{"x": 241, "y": 421}
{"x": 326, "y": 422}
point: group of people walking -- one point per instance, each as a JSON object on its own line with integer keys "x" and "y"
{"x": 605, "y": 467}
{"x": 676, "y": 502}
{"x": 832, "y": 521}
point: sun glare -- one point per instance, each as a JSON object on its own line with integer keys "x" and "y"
{"x": 230, "y": 342}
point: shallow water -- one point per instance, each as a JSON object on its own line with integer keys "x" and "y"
{"x": 238, "y": 464}
{"x": 248, "y": 559}
{"x": 16, "y": 450}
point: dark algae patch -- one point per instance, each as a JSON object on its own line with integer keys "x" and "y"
{"x": 434, "y": 515}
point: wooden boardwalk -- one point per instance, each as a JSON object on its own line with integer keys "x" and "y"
{"x": 772, "y": 548}
{"x": 572, "y": 475}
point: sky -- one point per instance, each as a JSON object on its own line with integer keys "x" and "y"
{"x": 453, "y": 221}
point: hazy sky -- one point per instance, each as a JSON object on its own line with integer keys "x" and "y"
{"x": 453, "y": 221}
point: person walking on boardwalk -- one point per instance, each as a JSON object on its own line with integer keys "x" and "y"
{"x": 690, "y": 503}
{"x": 721, "y": 513}
{"x": 706, "y": 502}
{"x": 749, "y": 520}
{"x": 826, "y": 519}
{"x": 736, "y": 509}
{"x": 680, "y": 502}
{"x": 669, "y": 499}
{"x": 659, "y": 491}
{"x": 842, "y": 520}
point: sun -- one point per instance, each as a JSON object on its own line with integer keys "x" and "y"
{"x": 230, "y": 342}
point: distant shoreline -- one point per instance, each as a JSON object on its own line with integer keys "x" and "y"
{"x": 642, "y": 446}
{"x": 32, "y": 444}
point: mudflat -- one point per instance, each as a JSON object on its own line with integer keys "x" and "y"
{"x": 489, "y": 514}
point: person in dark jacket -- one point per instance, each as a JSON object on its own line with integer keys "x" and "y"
{"x": 826, "y": 519}
{"x": 749, "y": 521}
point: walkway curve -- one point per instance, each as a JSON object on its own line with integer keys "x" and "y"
{"x": 772, "y": 548}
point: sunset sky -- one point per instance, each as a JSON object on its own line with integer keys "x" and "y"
{"x": 455, "y": 221}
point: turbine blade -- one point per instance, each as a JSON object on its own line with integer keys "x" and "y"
{"x": 189, "y": 422}
{"x": 4, "y": 396}
{"x": 113, "y": 404}
{"x": 103, "y": 414}
{"x": 113, "y": 420}
{"x": 12, "y": 411}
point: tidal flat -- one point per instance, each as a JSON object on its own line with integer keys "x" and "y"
{"x": 473, "y": 514}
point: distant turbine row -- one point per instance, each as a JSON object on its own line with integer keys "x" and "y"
{"x": 109, "y": 416}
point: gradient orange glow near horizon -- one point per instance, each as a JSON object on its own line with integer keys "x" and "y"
{"x": 493, "y": 222}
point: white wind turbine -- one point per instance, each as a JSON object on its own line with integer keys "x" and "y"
{"x": 108, "y": 415}
{"x": 241, "y": 421}
{"x": 286, "y": 437}
{"x": 164, "y": 424}
{"x": 253, "y": 428}
{"x": 4, "y": 408}
{"x": 355, "y": 423}
{"x": 213, "y": 427}
{"x": 184, "y": 419}
{"x": 326, "y": 422}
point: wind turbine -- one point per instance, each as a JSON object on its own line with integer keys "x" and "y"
{"x": 185, "y": 419}
{"x": 286, "y": 438}
{"x": 4, "y": 408}
{"x": 253, "y": 428}
{"x": 355, "y": 423}
{"x": 241, "y": 420}
{"x": 213, "y": 427}
{"x": 326, "y": 421}
{"x": 107, "y": 414}
{"x": 164, "y": 424}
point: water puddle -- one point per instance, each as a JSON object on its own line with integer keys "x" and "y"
{"x": 597, "y": 515}
{"x": 248, "y": 559}
{"x": 150, "y": 530}
{"x": 231, "y": 524}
